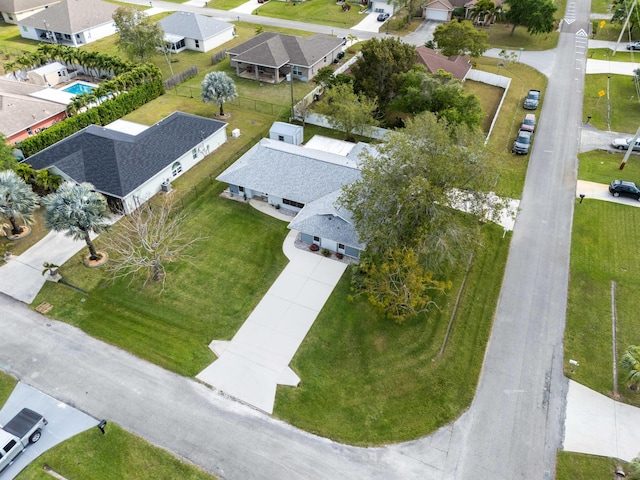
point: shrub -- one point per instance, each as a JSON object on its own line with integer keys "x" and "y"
{"x": 339, "y": 256}
{"x": 326, "y": 252}
{"x": 314, "y": 247}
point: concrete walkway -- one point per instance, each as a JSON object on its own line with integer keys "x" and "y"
{"x": 256, "y": 360}
{"x": 21, "y": 277}
{"x": 598, "y": 425}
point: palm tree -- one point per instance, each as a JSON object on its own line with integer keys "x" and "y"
{"x": 17, "y": 200}
{"x": 47, "y": 181}
{"x": 631, "y": 363}
{"x": 217, "y": 87}
{"x": 77, "y": 210}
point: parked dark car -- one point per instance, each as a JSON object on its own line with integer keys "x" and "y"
{"x": 522, "y": 143}
{"x": 627, "y": 189}
{"x": 382, "y": 17}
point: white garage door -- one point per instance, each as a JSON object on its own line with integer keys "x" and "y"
{"x": 434, "y": 14}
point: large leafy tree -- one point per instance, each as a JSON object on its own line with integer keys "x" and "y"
{"x": 460, "y": 38}
{"x": 377, "y": 72}
{"x": 218, "y": 88}
{"x": 138, "y": 36}
{"x": 405, "y": 208}
{"x": 348, "y": 112}
{"x": 439, "y": 93}
{"x": 536, "y": 15}
{"x": 78, "y": 210}
{"x": 620, "y": 9}
{"x": 630, "y": 362}
{"x": 17, "y": 200}
{"x": 409, "y": 191}
{"x": 396, "y": 283}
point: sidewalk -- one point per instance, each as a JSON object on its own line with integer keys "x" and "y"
{"x": 598, "y": 425}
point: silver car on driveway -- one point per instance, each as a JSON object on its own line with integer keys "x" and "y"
{"x": 623, "y": 144}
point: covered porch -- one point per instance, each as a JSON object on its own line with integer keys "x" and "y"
{"x": 260, "y": 73}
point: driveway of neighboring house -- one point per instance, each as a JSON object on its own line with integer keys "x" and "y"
{"x": 64, "y": 422}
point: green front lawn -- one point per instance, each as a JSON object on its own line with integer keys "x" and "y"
{"x": 117, "y": 455}
{"x": 604, "y": 249}
{"x": 7, "y": 384}
{"x": 321, "y": 12}
{"x": 603, "y": 167}
{"x": 367, "y": 380}
{"x": 622, "y": 102}
{"x": 208, "y": 297}
{"x": 577, "y": 466}
{"x": 607, "y": 54}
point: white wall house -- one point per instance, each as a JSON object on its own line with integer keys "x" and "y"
{"x": 128, "y": 163}
{"x": 191, "y": 31}
{"x": 70, "y": 22}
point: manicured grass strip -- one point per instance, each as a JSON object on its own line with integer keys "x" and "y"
{"x": 607, "y": 54}
{"x": 604, "y": 248}
{"x": 367, "y": 380}
{"x": 117, "y": 455}
{"x": 625, "y": 114}
{"x": 321, "y": 12}
{"x": 7, "y": 384}
{"x": 489, "y": 97}
{"x": 207, "y": 297}
{"x": 577, "y": 466}
{"x": 512, "y": 167}
{"x": 603, "y": 167}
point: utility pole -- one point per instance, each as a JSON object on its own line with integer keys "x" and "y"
{"x": 293, "y": 112}
{"x": 630, "y": 149}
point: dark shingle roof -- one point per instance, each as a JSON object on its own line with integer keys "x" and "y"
{"x": 117, "y": 163}
{"x": 73, "y": 16}
{"x": 276, "y": 49}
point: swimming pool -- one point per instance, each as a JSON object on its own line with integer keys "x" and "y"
{"x": 78, "y": 88}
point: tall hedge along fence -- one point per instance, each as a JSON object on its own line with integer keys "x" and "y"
{"x": 103, "y": 114}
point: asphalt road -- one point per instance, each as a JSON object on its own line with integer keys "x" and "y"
{"x": 515, "y": 423}
{"x": 514, "y": 426}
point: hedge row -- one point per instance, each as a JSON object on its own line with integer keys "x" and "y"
{"x": 103, "y": 114}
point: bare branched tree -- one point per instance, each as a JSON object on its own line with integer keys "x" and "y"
{"x": 146, "y": 240}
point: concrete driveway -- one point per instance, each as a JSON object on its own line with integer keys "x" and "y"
{"x": 64, "y": 423}
{"x": 369, "y": 23}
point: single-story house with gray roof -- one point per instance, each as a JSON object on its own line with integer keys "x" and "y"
{"x": 305, "y": 181}
{"x": 129, "y": 163}
{"x": 70, "y": 22}
{"x": 270, "y": 57}
{"x": 329, "y": 226}
{"x": 13, "y": 11}
{"x": 191, "y": 31}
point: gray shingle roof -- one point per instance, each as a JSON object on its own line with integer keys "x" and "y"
{"x": 117, "y": 163}
{"x": 18, "y": 110}
{"x": 276, "y": 49}
{"x": 291, "y": 171}
{"x": 72, "y": 16}
{"x": 324, "y": 219}
{"x": 193, "y": 25}
{"x": 17, "y": 6}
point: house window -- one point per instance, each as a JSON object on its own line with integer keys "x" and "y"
{"x": 325, "y": 59}
{"x": 280, "y": 138}
{"x": 24, "y": 28}
{"x": 194, "y": 153}
{"x": 176, "y": 169}
{"x": 67, "y": 36}
{"x": 297, "y": 71}
{"x": 292, "y": 203}
{"x": 197, "y": 43}
{"x": 316, "y": 239}
{"x": 341, "y": 246}
{"x": 241, "y": 189}
{"x": 29, "y": 131}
